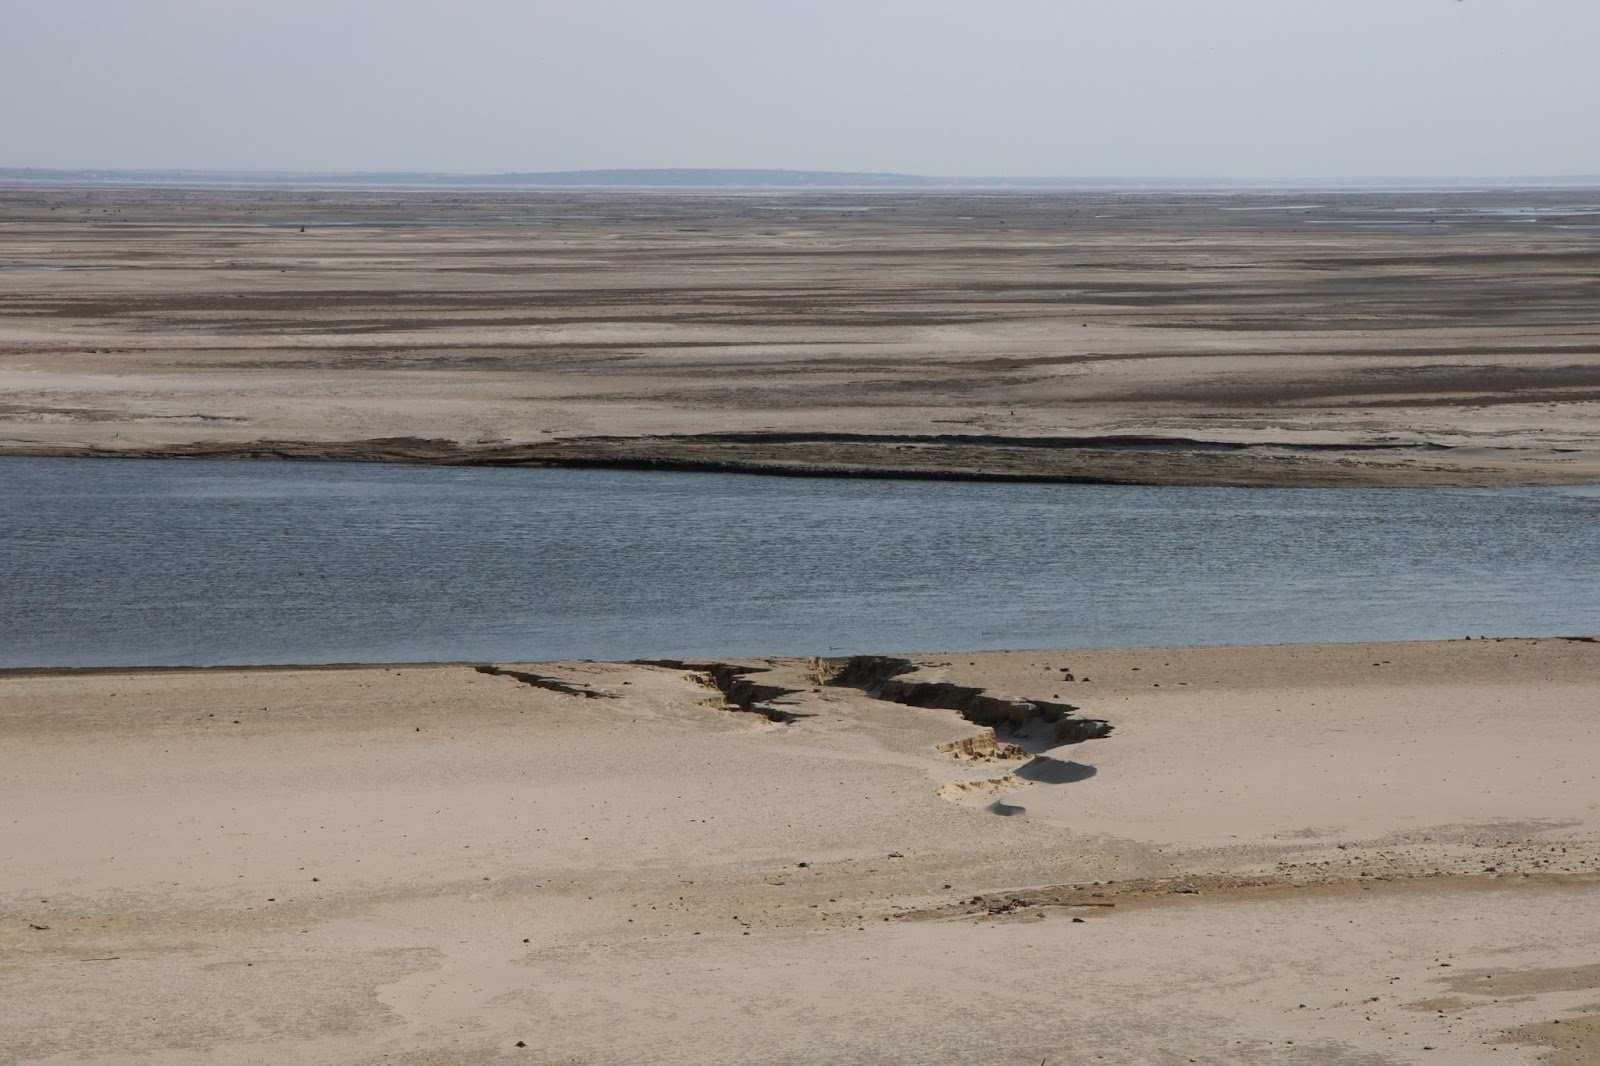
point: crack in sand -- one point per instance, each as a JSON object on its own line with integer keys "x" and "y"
{"x": 733, "y": 684}
{"x": 879, "y": 676}
{"x": 550, "y": 683}
{"x": 1042, "y": 722}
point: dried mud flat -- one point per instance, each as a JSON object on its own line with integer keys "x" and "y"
{"x": 1313, "y": 338}
{"x": 1313, "y": 854}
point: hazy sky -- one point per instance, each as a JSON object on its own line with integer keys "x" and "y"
{"x": 1160, "y": 88}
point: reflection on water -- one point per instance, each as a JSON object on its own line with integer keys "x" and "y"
{"x": 129, "y": 561}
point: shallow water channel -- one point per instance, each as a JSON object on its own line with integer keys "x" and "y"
{"x": 134, "y": 562}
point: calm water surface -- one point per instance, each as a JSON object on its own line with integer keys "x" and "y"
{"x": 121, "y": 562}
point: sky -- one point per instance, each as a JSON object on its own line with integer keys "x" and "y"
{"x": 1253, "y": 89}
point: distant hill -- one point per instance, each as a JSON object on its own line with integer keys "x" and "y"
{"x": 658, "y": 178}
{"x": 707, "y": 178}
{"x": 781, "y": 179}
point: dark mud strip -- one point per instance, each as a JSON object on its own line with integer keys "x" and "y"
{"x": 441, "y": 450}
{"x": 1096, "y": 460}
{"x": 1103, "y": 442}
{"x": 734, "y": 684}
{"x": 550, "y": 683}
{"x": 880, "y": 677}
{"x": 1109, "y": 895}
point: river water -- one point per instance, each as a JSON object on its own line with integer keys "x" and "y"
{"x": 132, "y": 562}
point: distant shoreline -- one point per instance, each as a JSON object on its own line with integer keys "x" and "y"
{"x": 1064, "y": 461}
{"x": 1420, "y": 644}
{"x": 761, "y": 179}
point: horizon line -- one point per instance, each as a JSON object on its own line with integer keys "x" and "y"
{"x": 757, "y": 177}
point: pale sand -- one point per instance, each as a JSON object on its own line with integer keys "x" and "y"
{"x": 431, "y": 864}
{"x": 935, "y": 334}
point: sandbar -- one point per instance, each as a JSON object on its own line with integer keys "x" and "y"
{"x": 1357, "y": 853}
{"x": 1334, "y": 337}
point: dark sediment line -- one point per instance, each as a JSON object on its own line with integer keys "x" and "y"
{"x": 550, "y": 683}
{"x": 1099, "y": 442}
{"x": 644, "y": 449}
{"x": 780, "y": 468}
{"x": 419, "y": 452}
{"x": 1098, "y": 460}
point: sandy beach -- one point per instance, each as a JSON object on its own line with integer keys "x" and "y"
{"x": 1288, "y": 854}
{"x": 1422, "y": 337}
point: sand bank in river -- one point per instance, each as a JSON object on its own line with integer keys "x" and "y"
{"x": 1369, "y": 337}
{"x": 1335, "y": 854}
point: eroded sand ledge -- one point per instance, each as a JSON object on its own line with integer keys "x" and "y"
{"x": 1382, "y": 853}
{"x": 1115, "y": 337}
